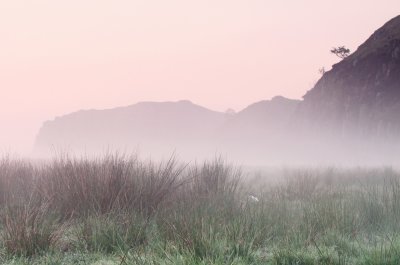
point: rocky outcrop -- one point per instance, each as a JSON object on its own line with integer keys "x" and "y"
{"x": 361, "y": 94}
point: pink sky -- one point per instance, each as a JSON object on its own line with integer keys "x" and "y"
{"x": 61, "y": 56}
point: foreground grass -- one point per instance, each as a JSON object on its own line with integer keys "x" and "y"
{"x": 309, "y": 255}
{"x": 119, "y": 210}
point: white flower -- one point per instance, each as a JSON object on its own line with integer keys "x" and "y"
{"x": 253, "y": 198}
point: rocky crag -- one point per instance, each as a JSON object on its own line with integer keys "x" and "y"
{"x": 361, "y": 94}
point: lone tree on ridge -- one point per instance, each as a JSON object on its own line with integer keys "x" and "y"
{"x": 341, "y": 51}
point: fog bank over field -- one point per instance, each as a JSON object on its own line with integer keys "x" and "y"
{"x": 350, "y": 117}
{"x": 158, "y": 130}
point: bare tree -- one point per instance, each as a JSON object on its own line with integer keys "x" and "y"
{"x": 341, "y": 51}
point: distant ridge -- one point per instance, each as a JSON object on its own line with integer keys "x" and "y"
{"x": 155, "y": 124}
{"x": 353, "y": 112}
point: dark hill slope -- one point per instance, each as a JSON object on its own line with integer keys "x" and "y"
{"x": 362, "y": 92}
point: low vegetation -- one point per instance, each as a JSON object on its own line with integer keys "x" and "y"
{"x": 120, "y": 210}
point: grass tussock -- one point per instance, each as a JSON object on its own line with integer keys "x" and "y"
{"x": 126, "y": 211}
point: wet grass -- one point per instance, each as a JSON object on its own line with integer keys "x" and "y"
{"x": 120, "y": 210}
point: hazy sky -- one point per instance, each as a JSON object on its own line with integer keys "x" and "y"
{"x": 59, "y": 56}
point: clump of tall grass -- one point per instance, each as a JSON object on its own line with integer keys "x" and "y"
{"x": 112, "y": 183}
{"x": 210, "y": 217}
{"x": 77, "y": 189}
{"x": 112, "y": 233}
{"x": 16, "y": 180}
{"x": 29, "y": 229}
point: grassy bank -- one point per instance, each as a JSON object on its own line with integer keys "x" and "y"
{"x": 120, "y": 210}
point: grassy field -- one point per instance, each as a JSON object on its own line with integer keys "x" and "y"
{"x": 120, "y": 210}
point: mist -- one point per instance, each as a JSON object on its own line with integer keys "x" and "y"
{"x": 192, "y": 133}
{"x": 199, "y": 132}
{"x": 218, "y": 55}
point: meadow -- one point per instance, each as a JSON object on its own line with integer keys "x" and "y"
{"x": 118, "y": 209}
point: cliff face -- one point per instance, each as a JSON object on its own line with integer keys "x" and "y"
{"x": 362, "y": 92}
